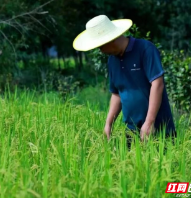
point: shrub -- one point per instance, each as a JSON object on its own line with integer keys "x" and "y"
{"x": 178, "y": 78}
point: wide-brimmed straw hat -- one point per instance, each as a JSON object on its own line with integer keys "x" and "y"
{"x": 99, "y": 31}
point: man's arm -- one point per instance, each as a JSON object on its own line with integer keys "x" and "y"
{"x": 155, "y": 99}
{"x": 114, "y": 110}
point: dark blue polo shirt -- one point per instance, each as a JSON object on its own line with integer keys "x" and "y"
{"x": 131, "y": 76}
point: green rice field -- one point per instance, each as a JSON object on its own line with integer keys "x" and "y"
{"x": 51, "y": 148}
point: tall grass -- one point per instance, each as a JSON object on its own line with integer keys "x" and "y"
{"x": 51, "y": 148}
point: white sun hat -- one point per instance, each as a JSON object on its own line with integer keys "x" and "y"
{"x": 99, "y": 31}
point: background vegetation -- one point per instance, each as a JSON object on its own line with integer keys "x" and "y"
{"x": 28, "y": 29}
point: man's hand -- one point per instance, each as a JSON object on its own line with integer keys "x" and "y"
{"x": 114, "y": 110}
{"x": 107, "y": 130}
{"x": 147, "y": 129}
{"x": 155, "y": 98}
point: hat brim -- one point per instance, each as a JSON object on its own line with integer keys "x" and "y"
{"x": 84, "y": 43}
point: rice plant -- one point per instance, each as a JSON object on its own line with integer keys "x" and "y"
{"x": 54, "y": 148}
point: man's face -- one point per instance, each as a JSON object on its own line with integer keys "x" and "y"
{"x": 109, "y": 48}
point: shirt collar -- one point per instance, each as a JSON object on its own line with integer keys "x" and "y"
{"x": 130, "y": 44}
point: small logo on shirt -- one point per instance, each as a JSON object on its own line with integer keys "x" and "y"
{"x": 135, "y": 69}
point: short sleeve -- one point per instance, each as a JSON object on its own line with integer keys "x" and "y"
{"x": 112, "y": 87}
{"x": 152, "y": 63}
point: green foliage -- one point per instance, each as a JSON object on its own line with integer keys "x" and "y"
{"x": 168, "y": 20}
{"x": 178, "y": 77}
{"x": 7, "y": 58}
{"x": 17, "y": 20}
{"x": 42, "y": 74}
{"x": 136, "y": 32}
{"x": 99, "y": 61}
{"x": 95, "y": 95}
{"x": 175, "y": 26}
{"x": 27, "y": 28}
{"x": 65, "y": 85}
{"x": 52, "y": 149}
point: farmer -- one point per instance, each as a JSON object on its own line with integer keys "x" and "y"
{"x": 135, "y": 73}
